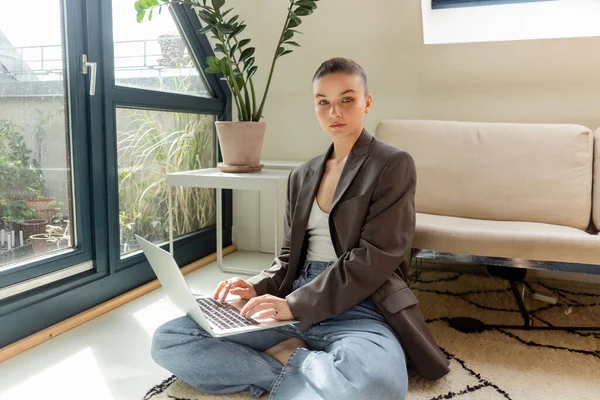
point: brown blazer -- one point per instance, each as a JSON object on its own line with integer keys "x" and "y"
{"x": 372, "y": 223}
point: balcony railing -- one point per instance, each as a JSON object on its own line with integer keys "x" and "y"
{"x": 46, "y": 62}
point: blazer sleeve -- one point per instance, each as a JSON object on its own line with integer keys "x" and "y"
{"x": 385, "y": 241}
{"x": 269, "y": 280}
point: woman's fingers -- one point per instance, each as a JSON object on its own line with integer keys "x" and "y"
{"x": 223, "y": 286}
{"x": 237, "y": 286}
{"x": 239, "y": 291}
{"x": 225, "y": 292}
{"x": 215, "y": 294}
{"x": 269, "y": 308}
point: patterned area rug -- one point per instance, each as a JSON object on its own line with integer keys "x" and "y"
{"x": 496, "y": 364}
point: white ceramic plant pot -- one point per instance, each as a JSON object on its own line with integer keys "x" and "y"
{"x": 241, "y": 145}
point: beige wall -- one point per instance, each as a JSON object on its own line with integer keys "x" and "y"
{"x": 555, "y": 80}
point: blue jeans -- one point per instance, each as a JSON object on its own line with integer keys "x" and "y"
{"x": 354, "y": 355}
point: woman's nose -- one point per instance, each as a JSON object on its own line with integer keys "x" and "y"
{"x": 334, "y": 111}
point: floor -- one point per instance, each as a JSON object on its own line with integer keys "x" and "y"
{"x": 108, "y": 358}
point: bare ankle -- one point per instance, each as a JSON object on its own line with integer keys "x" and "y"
{"x": 283, "y": 350}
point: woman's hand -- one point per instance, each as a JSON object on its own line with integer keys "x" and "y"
{"x": 268, "y": 306}
{"x": 236, "y": 286}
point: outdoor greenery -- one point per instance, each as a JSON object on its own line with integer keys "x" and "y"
{"x": 237, "y": 63}
{"x": 150, "y": 145}
{"x": 20, "y": 176}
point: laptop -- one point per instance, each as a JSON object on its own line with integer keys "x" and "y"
{"x": 216, "y": 318}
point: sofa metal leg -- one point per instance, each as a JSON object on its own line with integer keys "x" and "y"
{"x": 513, "y": 275}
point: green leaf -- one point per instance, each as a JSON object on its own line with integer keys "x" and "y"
{"x": 218, "y": 4}
{"x": 288, "y": 35}
{"x": 233, "y": 19}
{"x": 252, "y": 71}
{"x": 212, "y": 70}
{"x": 280, "y": 50}
{"x": 285, "y": 52}
{"x": 238, "y": 30}
{"x": 206, "y": 29}
{"x": 307, "y": 4}
{"x": 248, "y": 63}
{"x": 150, "y": 15}
{"x": 292, "y": 23}
{"x": 138, "y": 7}
{"x": 244, "y": 42}
{"x": 294, "y": 18}
{"x": 226, "y": 28}
{"x": 212, "y": 61}
{"x": 224, "y": 64}
{"x": 152, "y": 2}
{"x": 223, "y": 14}
{"x": 234, "y": 48}
{"x": 140, "y": 16}
{"x": 292, "y": 43}
{"x": 239, "y": 80}
{"x": 301, "y": 11}
{"x": 160, "y": 10}
{"x": 220, "y": 47}
{"x": 207, "y": 17}
{"x": 247, "y": 53}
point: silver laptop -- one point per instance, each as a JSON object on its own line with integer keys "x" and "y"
{"x": 218, "y": 319}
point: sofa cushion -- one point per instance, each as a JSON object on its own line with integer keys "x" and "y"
{"x": 596, "y": 195}
{"x": 523, "y": 240}
{"x": 499, "y": 171}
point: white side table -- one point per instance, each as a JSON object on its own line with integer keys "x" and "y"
{"x": 266, "y": 180}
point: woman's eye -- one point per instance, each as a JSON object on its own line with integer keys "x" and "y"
{"x": 347, "y": 99}
{"x": 323, "y": 102}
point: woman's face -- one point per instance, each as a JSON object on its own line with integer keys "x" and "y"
{"x": 341, "y": 104}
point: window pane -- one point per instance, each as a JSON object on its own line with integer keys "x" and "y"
{"x": 150, "y": 145}
{"x": 153, "y": 54}
{"x": 35, "y": 172}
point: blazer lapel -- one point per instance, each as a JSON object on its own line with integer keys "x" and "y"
{"x": 308, "y": 191}
{"x": 306, "y": 195}
{"x": 355, "y": 160}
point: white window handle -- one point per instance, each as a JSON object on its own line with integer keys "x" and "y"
{"x": 84, "y": 70}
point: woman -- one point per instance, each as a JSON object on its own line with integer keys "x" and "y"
{"x": 342, "y": 273}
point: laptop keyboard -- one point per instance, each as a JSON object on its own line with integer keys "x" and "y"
{"x": 223, "y": 315}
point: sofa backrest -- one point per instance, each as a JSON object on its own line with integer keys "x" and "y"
{"x": 596, "y": 195}
{"x": 499, "y": 171}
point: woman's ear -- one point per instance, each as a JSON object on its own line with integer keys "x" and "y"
{"x": 368, "y": 102}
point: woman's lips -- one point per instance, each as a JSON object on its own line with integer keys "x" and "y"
{"x": 337, "y": 126}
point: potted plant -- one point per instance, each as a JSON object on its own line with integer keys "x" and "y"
{"x": 172, "y": 49}
{"x": 53, "y": 239}
{"x": 44, "y": 207}
{"x": 241, "y": 142}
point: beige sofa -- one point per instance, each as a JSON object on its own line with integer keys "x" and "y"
{"x": 504, "y": 194}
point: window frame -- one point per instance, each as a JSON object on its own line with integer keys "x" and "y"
{"x": 32, "y": 311}
{"x": 442, "y": 4}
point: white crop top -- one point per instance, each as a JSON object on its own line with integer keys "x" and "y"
{"x": 320, "y": 247}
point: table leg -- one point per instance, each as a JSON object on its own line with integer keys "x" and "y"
{"x": 219, "y": 230}
{"x": 170, "y": 208}
{"x": 276, "y": 231}
{"x": 223, "y": 268}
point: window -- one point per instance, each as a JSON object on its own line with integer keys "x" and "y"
{"x": 436, "y": 4}
{"x": 91, "y": 167}
{"x": 459, "y": 21}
